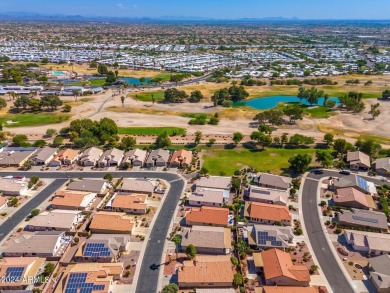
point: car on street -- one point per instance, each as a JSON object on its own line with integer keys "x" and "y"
{"x": 345, "y": 172}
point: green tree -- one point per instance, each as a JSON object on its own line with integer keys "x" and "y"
{"x": 195, "y": 97}
{"x": 3, "y": 103}
{"x": 198, "y": 137}
{"x": 328, "y": 138}
{"x": 171, "y": 288}
{"x": 386, "y": 94}
{"x": 48, "y": 269}
{"x": 102, "y": 69}
{"x": 34, "y": 213}
{"x": 191, "y": 251}
{"x": 369, "y": 147}
{"x": 174, "y": 95}
{"x": 20, "y": 140}
{"x": 374, "y": 112}
{"x": 111, "y": 77}
{"x": 67, "y": 108}
{"x": 340, "y": 146}
{"x": 177, "y": 240}
{"x": 294, "y": 112}
{"x": 324, "y": 158}
{"x": 238, "y": 280}
{"x": 123, "y": 101}
{"x": 39, "y": 143}
{"x": 50, "y": 132}
{"x": 58, "y": 140}
{"x": 299, "y": 163}
{"x": 108, "y": 177}
{"x": 237, "y": 137}
{"x": 128, "y": 142}
{"x": 163, "y": 141}
{"x": 261, "y": 139}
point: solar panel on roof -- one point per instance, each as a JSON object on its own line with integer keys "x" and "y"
{"x": 77, "y": 283}
{"x": 365, "y": 219}
{"x": 96, "y": 250}
{"x": 14, "y": 273}
{"x": 263, "y": 237}
{"x": 362, "y": 183}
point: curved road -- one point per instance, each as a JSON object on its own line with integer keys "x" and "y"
{"x": 316, "y": 233}
{"x": 148, "y": 280}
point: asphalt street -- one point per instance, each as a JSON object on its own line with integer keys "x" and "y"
{"x": 316, "y": 233}
{"x": 148, "y": 280}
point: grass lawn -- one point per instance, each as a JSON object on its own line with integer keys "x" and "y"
{"x": 97, "y": 82}
{"x": 151, "y": 130}
{"x": 147, "y": 96}
{"x": 217, "y": 160}
{"x": 319, "y": 112}
{"x": 33, "y": 119}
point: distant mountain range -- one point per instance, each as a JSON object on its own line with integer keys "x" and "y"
{"x": 30, "y": 16}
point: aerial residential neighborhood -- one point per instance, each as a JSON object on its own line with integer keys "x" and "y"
{"x": 194, "y": 146}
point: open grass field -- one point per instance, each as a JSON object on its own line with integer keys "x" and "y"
{"x": 151, "y": 130}
{"x": 32, "y": 119}
{"x": 97, "y": 82}
{"x": 217, "y": 160}
{"x": 147, "y": 96}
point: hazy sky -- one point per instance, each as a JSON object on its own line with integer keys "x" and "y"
{"x": 227, "y": 9}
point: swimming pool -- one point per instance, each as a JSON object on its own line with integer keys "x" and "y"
{"x": 58, "y": 73}
{"x": 271, "y": 102}
{"x": 132, "y": 80}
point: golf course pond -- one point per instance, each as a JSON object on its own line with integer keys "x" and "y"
{"x": 271, "y": 102}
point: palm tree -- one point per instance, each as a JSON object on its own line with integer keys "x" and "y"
{"x": 75, "y": 94}
{"x": 123, "y": 101}
{"x": 177, "y": 240}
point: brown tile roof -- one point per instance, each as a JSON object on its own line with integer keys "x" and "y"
{"x": 136, "y": 201}
{"x": 111, "y": 221}
{"x": 3, "y": 200}
{"x": 70, "y": 199}
{"x": 208, "y": 215}
{"x": 358, "y": 157}
{"x": 350, "y": 194}
{"x": 182, "y": 156}
{"x": 278, "y": 263}
{"x": 67, "y": 154}
{"x": 288, "y": 289}
{"x": 30, "y": 265}
{"x": 217, "y": 270}
{"x": 267, "y": 211}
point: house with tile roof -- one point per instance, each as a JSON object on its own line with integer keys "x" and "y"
{"x": 208, "y": 240}
{"x": 272, "y": 181}
{"x": 109, "y": 158}
{"x": 287, "y": 289}
{"x": 97, "y": 276}
{"x": 98, "y": 186}
{"x": 379, "y": 268}
{"x": 22, "y": 269}
{"x": 353, "y": 198}
{"x": 111, "y": 223}
{"x": 266, "y": 195}
{"x": 90, "y": 157}
{"x": 362, "y": 218}
{"x": 382, "y": 166}
{"x": 208, "y": 216}
{"x": 268, "y": 214}
{"x": 135, "y": 157}
{"x": 368, "y": 242}
{"x": 43, "y": 156}
{"x": 207, "y": 197}
{"x": 157, "y": 158}
{"x": 279, "y": 269}
{"x": 103, "y": 248}
{"x": 207, "y": 272}
{"x": 358, "y": 160}
{"x": 128, "y": 203}
{"x": 141, "y": 186}
{"x": 267, "y": 236}
{"x": 72, "y": 200}
{"x": 65, "y": 157}
{"x": 56, "y": 220}
{"x": 181, "y": 159}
